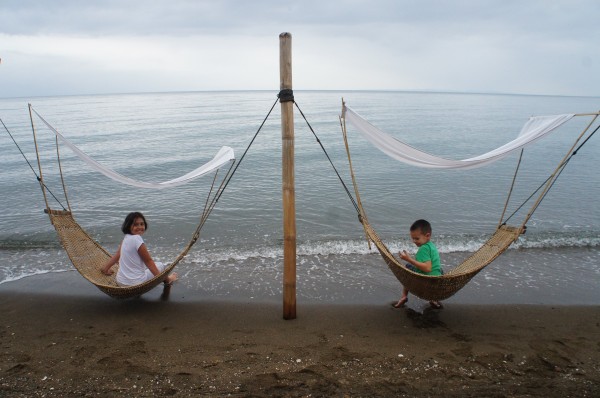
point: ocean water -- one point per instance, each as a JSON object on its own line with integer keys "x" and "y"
{"x": 159, "y": 136}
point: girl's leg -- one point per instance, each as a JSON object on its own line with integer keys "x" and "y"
{"x": 172, "y": 277}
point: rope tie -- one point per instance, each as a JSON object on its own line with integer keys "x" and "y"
{"x": 286, "y": 95}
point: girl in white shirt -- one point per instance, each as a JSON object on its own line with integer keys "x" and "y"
{"x": 135, "y": 263}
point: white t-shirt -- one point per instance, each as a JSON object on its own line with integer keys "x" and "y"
{"x": 132, "y": 270}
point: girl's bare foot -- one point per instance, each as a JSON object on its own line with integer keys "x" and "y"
{"x": 171, "y": 278}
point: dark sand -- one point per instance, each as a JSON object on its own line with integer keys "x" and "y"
{"x": 63, "y": 341}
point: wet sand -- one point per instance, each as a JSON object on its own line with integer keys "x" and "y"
{"x": 64, "y": 338}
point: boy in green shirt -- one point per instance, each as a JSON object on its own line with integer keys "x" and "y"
{"x": 426, "y": 261}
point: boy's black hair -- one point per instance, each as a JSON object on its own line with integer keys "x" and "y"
{"x": 421, "y": 225}
{"x": 130, "y": 219}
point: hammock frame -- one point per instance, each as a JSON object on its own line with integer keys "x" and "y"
{"x": 88, "y": 256}
{"x": 445, "y": 286}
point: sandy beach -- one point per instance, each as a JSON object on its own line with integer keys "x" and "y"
{"x": 61, "y": 337}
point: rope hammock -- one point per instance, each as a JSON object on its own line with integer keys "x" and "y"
{"x": 444, "y": 286}
{"x": 87, "y": 255}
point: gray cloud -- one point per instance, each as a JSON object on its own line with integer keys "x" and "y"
{"x": 531, "y": 46}
{"x": 569, "y": 18}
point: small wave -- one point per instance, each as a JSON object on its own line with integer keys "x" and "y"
{"x": 14, "y": 244}
{"x": 12, "y": 278}
{"x": 542, "y": 242}
{"x": 19, "y": 264}
{"x": 42, "y": 251}
{"x": 455, "y": 244}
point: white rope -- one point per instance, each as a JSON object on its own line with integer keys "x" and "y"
{"x": 535, "y": 128}
{"x": 223, "y": 156}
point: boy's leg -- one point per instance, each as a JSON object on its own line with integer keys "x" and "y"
{"x": 403, "y": 300}
{"x": 436, "y": 304}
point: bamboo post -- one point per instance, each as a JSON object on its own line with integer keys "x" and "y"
{"x": 289, "y": 200}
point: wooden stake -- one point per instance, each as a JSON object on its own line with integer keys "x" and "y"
{"x": 289, "y": 196}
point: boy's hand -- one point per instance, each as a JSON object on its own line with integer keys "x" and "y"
{"x": 404, "y": 255}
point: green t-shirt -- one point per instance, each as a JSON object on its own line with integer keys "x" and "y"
{"x": 428, "y": 252}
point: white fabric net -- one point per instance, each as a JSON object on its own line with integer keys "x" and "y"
{"x": 534, "y": 129}
{"x": 223, "y": 156}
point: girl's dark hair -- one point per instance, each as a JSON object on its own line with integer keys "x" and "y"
{"x": 130, "y": 219}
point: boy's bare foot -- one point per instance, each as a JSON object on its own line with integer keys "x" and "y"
{"x": 401, "y": 303}
{"x": 436, "y": 305}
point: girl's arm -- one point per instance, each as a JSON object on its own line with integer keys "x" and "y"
{"x": 147, "y": 259}
{"x": 425, "y": 266}
{"x": 106, "y": 270}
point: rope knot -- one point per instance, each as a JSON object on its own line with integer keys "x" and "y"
{"x": 286, "y": 95}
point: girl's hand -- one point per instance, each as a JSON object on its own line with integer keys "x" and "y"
{"x": 107, "y": 271}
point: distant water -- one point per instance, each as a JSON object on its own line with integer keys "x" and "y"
{"x": 156, "y": 137}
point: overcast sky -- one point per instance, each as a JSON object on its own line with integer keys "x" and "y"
{"x": 85, "y": 47}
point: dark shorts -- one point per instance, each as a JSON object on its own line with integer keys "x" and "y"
{"x": 414, "y": 269}
{"x": 411, "y": 267}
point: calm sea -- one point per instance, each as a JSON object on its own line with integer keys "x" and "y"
{"x": 156, "y": 137}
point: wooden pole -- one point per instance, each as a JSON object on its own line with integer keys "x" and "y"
{"x": 289, "y": 196}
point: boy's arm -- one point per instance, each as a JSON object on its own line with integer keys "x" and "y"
{"x": 422, "y": 266}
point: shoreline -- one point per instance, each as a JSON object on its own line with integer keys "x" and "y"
{"x": 509, "y": 281}
{"x": 67, "y": 340}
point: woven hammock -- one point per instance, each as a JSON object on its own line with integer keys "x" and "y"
{"x": 88, "y": 257}
{"x": 444, "y": 286}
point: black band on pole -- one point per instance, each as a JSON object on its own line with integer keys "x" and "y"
{"x": 286, "y": 95}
